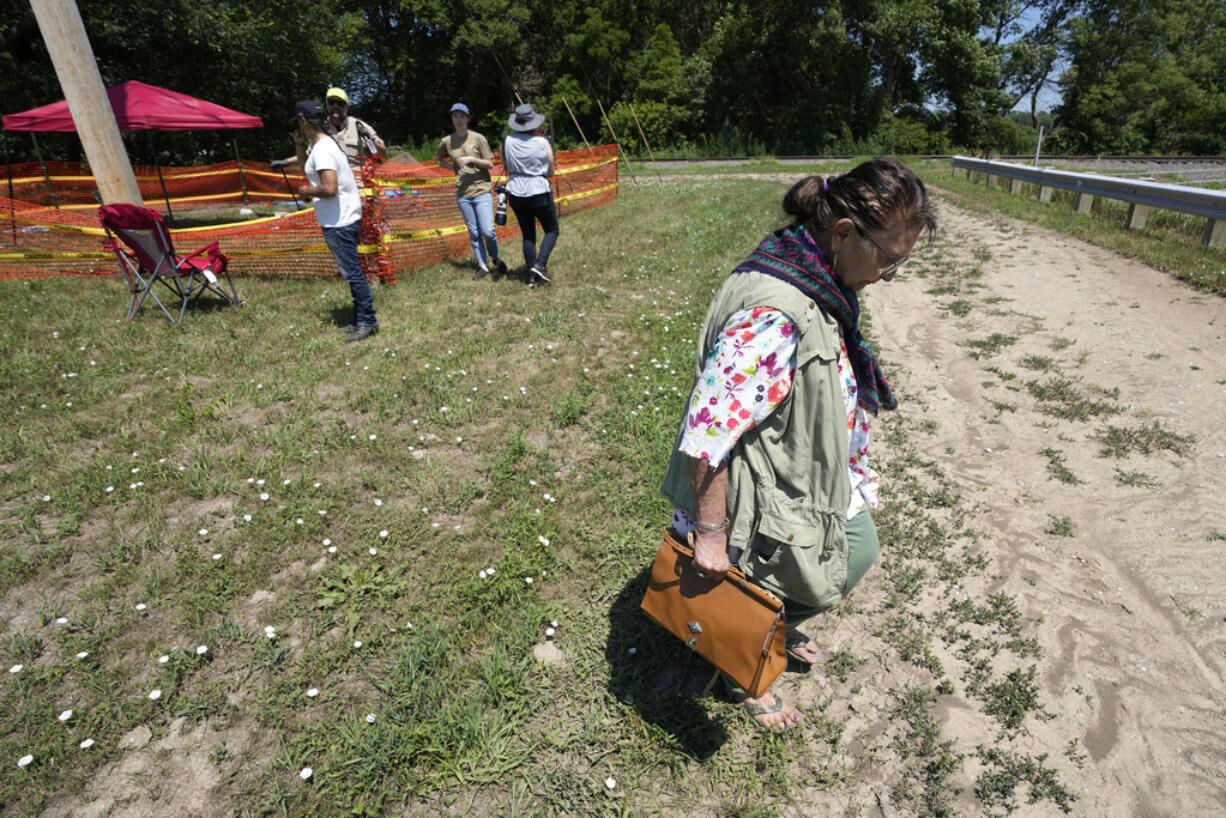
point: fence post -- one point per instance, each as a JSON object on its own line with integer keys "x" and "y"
{"x": 1084, "y": 203}
{"x": 1137, "y": 214}
{"x": 1215, "y": 234}
{"x": 1015, "y": 186}
{"x": 1044, "y": 193}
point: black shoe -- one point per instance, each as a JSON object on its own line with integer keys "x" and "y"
{"x": 500, "y": 268}
{"x": 540, "y": 275}
{"x": 480, "y": 274}
{"x": 360, "y": 334}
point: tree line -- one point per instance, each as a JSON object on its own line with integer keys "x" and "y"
{"x": 694, "y": 77}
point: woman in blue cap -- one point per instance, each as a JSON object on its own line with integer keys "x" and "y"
{"x": 468, "y": 155}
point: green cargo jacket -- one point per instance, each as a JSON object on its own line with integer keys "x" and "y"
{"x": 788, "y": 483}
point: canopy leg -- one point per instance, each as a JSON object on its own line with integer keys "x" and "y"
{"x": 46, "y": 176}
{"x": 238, "y": 161}
{"x": 165, "y": 196}
{"x": 8, "y": 163}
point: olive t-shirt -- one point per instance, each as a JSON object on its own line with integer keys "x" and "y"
{"x": 470, "y": 181}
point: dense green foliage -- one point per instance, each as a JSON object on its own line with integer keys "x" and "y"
{"x": 1146, "y": 75}
{"x": 257, "y": 57}
{"x": 699, "y": 77}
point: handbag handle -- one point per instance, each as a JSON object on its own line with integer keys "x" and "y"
{"x": 735, "y": 575}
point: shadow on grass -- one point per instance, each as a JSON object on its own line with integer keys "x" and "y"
{"x": 200, "y": 305}
{"x": 340, "y": 316}
{"x": 514, "y": 275}
{"x": 662, "y": 680}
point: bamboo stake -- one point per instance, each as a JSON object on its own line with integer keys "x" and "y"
{"x": 506, "y": 76}
{"x": 292, "y": 192}
{"x": 577, "y": 127}
{"x": 620, "y": 152}
{"x": 649, "y": 153}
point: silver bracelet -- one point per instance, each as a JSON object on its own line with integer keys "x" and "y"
{"x": 701, "y": 526}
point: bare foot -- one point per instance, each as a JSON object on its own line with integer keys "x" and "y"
{"x": 771, "y": 712}
{"x": 801, "y": 647}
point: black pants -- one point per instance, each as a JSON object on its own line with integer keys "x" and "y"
{"x": 528, "y": 211}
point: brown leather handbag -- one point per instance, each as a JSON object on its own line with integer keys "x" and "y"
{"x": 734, "y": 625}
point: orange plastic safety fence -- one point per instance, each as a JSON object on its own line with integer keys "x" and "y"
{"x": 409, "y": 219}
{"x": 70, "y": 185}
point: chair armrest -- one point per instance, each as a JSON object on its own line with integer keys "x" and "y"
{"x": 217, "y": 259}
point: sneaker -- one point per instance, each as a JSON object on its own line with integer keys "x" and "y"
{"x": 540, "y": 275}
{"x": 481, "y": 273}
{"x": 360, "y": 334}
{"x": 348, "y": 328}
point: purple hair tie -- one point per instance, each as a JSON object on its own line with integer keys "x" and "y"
{"x": 823, "y": 184}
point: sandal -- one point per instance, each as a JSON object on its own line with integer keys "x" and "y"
{"x": 793, "y": 644}
{"x": 755, "y": 710}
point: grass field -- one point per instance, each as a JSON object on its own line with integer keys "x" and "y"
{"x": 345, "y": 557}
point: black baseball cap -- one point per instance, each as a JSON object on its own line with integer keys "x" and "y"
{"x": 310, "y": 110}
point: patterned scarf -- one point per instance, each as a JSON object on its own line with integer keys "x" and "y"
{"x": 793, "y": 256}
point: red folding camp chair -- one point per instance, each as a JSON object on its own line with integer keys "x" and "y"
{"x": 147, "y": 256}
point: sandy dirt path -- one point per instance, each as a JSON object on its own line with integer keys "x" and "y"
{"x": 1133, "y": 604}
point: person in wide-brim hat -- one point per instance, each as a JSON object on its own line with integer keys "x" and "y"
{"x": 528, "y": 159}
{"x": 525, "y": 119}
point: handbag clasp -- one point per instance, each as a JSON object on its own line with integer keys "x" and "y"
{"x": 695, "y": 627}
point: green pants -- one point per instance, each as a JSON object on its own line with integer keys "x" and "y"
{"x": 862, "y": 550}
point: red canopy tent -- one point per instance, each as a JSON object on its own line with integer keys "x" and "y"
{"x": 139, "y": 106}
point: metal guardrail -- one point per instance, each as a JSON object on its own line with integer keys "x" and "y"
{"x": 1141, "y": 195}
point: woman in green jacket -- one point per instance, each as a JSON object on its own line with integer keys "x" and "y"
{"x": 770, "y": 469}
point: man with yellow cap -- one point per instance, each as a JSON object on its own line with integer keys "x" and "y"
{"x": 356, "y": 138}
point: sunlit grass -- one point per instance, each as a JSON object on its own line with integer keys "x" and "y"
{"x": 371, "y": 541}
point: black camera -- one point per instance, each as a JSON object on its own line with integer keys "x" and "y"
{"x": 500, "y": 210}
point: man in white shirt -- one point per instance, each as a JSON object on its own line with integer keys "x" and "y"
{"x": 338, "y": 209}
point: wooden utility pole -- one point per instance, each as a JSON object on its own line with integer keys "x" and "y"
{"x": 73, "y": 58}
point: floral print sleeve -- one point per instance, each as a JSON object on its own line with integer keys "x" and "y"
{"x": 747, "y": 374}
{"x": 864, "y": 481}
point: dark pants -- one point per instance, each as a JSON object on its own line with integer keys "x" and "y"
{"x": 529, "y": 210}
{"x": 343, "y": 242}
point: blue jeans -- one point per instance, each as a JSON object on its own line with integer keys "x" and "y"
{"x": 343, "y": 242}
{"x": 478, "y": 215}
{"x": 528, "y": 210}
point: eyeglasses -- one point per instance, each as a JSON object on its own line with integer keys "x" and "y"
{"x": 340, "y": 103}
{"x": 888, "y": 272}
